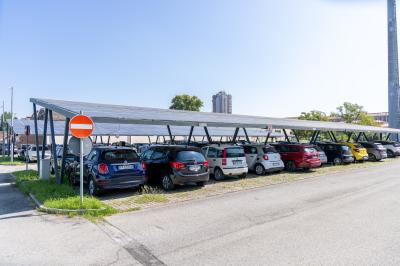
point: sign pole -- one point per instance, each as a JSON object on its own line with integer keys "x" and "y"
{"x": 81, "y": 173}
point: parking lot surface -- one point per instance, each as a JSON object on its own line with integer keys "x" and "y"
{"x": 349, "y": 218}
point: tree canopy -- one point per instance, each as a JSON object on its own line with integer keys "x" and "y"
{"x": 314, "y": 116}
{"x": 354, "y": 114}
{"x": 186, "y": 102}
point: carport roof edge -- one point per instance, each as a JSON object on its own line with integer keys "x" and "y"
{"x": 108, "y": 113}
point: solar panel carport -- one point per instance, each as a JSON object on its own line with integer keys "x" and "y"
{"x": 118, "y": 114}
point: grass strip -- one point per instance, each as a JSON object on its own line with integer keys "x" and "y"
{"x": 60, "y": 196}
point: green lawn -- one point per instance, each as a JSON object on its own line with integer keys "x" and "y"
{"x": 59, "y": 196}
{"x": 7, "y": 161}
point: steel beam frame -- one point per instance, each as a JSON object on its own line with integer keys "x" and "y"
{"x": 209, "y": 139}
{"x": 65, "y": 148}
{"x": 190, "y": 135}
{"x": 44, "y": 142}
{"x": 36, "y": 136}
{"x": 286, "y": 135}
{"x": 53, "y": 148}
{"x": 235, "y": 135}
{"x": 247, "y": 136}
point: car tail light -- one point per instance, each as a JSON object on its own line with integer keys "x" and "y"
{"x": 224, "y": 155}
{"x": 177, "y": 165}
{"x": 265, "y": 157}
{"x": 143, "y": 165}
{"x": 357, "y": 150}
{"x": 103, "y": 168}
{"x": 205, "y": 163}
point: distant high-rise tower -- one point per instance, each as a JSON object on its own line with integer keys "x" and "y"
{"x": 393, "y": 66}
{"x": 222, "y": 103}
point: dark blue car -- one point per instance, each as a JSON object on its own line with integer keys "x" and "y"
{"x": 111, "y": 168}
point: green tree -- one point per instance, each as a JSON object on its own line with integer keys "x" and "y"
{"x": 313, "y": 115}
{"x": 354, "y": 114}
{"x": 186, "y": 102}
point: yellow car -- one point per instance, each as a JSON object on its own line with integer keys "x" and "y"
{"x": 359, "y": 152}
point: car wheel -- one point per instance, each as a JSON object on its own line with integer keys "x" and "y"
{"x": 260, "y": 170}
{"x": 92, "y": 187}
{"x": 390, "y": 154}
{"x": 71, "y": 178}
{"x": 337, "y": 161}
{"x": 372, "y": 157}
{"x": 167, "y": 183}
{"x": 201, "y": 184}
{"x": 290, "y": 166}
{"x": 218, "y": 174}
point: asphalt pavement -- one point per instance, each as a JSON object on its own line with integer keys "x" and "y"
{"x": 348, "y": 218}
{"x": 339, "y": 219}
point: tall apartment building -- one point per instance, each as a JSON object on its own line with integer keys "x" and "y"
{"x": 222, "y": 103}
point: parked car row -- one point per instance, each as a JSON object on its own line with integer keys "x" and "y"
{"x": 109, "y": 167}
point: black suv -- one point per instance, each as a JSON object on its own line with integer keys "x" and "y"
{"x": 336, "y": 153}
{"x": 171, "y": 165}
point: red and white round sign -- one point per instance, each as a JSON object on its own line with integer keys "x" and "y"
{"x": 81, "y": 126}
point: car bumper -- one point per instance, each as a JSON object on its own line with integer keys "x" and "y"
{"x": 309, "y": 164}
{"x": 273, "y": 166}
{"x": 185, "y": 179}
{"x": 362, "y": 159}
{"x": 121, "y": 182}
{"x": 235, "y": 171}
{"x": 348, "y": 159}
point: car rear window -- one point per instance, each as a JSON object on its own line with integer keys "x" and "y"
{"x": 379, "y": 146}
{"x": 185, "y": 156}
{"x": 345, "y": 148}
{"x": 358, "y": 146}
{"x": 269, "y": 150}
{"x": 309, "y": 149}
{"x": 120, "y": 156}
{"x": 234, "y": 152}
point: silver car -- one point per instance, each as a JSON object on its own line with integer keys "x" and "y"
{"x": 262, "y": 158}
{"x": 322, "y": 155}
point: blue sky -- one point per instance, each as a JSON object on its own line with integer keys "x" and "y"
{"x": 276, "y": 57}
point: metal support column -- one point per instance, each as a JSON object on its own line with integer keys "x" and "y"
{"x": 313, "y": 137}
{"x": 266, "y": 139}
{"x": 170, "y": 134}
{"x": 44, "y": 142}
{"x": 65, "y": 148}
{"x": 295, "y": 135}
{"x": 247, "y": 136}
{"x": 235, "y": 135}
{"x": 349, "y": 136}
{"x": 286, "y": 135}
{"x": 209, "y": 139}
{"x": 53, "y": 148}
{"x": 36, "y": 136}
{"x": 358, "y": 137}
{"x": 388, "y": 136}
{"x": 190, "y": 135}
{"x": 381, "y": 136}
{"x": 333, "y": 136}
{"x": 108, "y": 140}
{"x": 365, "y": 136}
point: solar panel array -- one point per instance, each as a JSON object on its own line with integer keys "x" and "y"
{"x": 119, "y": 114}
{"x": 108, "y": 129}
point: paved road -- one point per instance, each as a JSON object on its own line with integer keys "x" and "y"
{"x": 339, "y": 219}
{"x": 28, "y": 237}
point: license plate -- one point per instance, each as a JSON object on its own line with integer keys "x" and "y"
{"x": 275, "y": 164}
{"x": 237, "y": 162}
{"x": 126, "y": 167}
{"x": 194, "y": 168}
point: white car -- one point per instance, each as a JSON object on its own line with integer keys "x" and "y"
{"x": 263, "y": 158}
{"x": 32, "y": 155}
{"x": 322, "y": 155}
{"x": 226, "y": 160}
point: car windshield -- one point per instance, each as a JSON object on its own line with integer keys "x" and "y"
{"x": 269, "y": 150}
{"x": 234, "y": 152}
{"x": 120, "y": 156}
{"x": 345, "y": 148}
{"x": 185, "y": 156}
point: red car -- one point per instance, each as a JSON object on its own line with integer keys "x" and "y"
{"x": 298, "y": 156}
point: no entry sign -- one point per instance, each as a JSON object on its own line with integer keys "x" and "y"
{"x": 81, "y": 126}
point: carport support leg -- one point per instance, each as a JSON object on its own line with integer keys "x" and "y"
{"x": 46, "y": 115}
{"x": 349, "y": 135}
{"x": 235, "y": 135}
{"x": 36, "y": 136}
{"x": 247, "y": 136}
{"x": 358, "y": 136}
{"x": 388, "y": 136}
{"x": 53, "y": 148}
{"x": 207, "y": 135}
{"x": 333, "y": 136}
{"x": 190, "y": 135}
{"x": 266, "y": 139}
{"x": 65, "y": 148}
{"x": 286, "y": 135}
{"x": 170, "y": 134}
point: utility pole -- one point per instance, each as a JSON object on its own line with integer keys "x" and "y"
{"x": 3, "y": 150}
{"x": 12, "y": 125}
